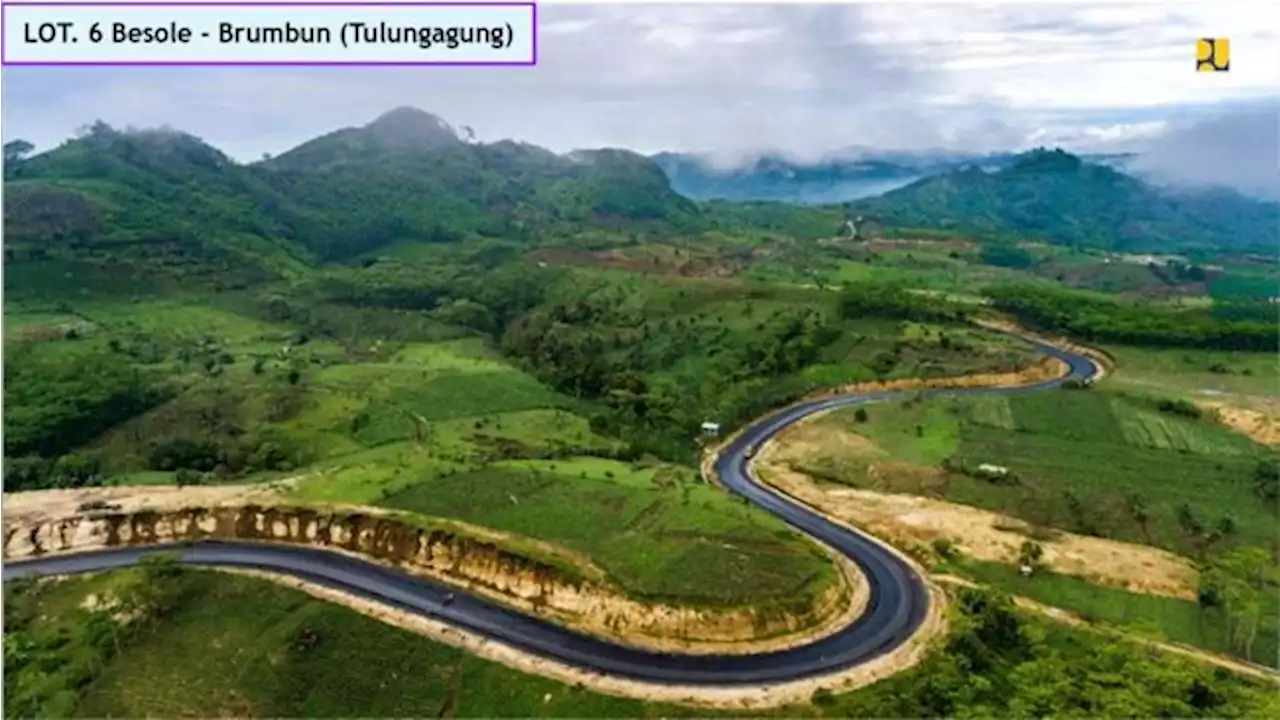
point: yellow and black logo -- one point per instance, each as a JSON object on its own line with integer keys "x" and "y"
{"x": 1213, "y": 55}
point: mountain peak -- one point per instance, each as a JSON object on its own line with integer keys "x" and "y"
{"x": 1044, "y": 160}
{"x": 411, "y": 126}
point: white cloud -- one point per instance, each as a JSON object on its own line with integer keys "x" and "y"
{"x": 806, "y": 79}
{"x": 1239, "y": 150}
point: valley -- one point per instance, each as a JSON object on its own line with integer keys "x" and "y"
{"x": 490, "y": 367}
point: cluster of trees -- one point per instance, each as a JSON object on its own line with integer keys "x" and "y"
{"x": 1091, "y": 317}
{"x": 46, "y": 668}
{"x": 1056, "y": 196}
{"x": 999, "y": 663}
{"x": 56, "y": 399}
{"x": 1006, "y": 254}
{"x": 1241, "y": 587}
{"x": 246, "y": 453}
{"x": 333, "y": 198}
{"x": 889, "y": 300}
{"x": 583, "y": 348}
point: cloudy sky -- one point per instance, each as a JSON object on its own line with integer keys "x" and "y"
{"x": 732, "y": 79}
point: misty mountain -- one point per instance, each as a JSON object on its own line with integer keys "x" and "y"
{"x": 847, "y": 175}
{"x": 1057, "y": 196}
{"x": 841, "y": 176}
{"x": 167, "y": 197}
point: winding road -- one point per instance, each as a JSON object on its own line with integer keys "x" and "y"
{"x": 896, "y": 607}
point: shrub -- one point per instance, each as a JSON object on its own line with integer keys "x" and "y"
{"x": 945, "y": 549}
{"x": 823, "y": 696}
{"x": 860, "y": 415}
{"x": 1184, "y": 408}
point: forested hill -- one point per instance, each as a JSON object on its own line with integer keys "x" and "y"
{"x": 1056, "y": 196}
{"x": 163, "y": 194}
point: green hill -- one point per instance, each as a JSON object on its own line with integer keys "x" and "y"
{"x": 167, "y": 201}
{"x": 408, "y": 176}
{"x": 1056, "y": 196}
{"x": 156, "y": 199}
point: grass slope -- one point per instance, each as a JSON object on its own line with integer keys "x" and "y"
{"x": 1078, "y": 457}
{"x": 212, "y": 645}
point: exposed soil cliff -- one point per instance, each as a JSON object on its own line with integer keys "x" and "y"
{"x": 479, "y": 564}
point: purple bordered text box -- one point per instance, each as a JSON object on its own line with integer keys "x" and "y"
{"x": 176, "y": 10}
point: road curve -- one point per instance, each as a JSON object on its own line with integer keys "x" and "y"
{"x": 896, "y": 607}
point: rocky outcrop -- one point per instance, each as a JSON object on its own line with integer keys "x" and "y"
{"x": 481, "y": 566}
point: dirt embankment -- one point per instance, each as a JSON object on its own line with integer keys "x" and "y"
{"x": 1039, "y": 371}
{"x": 1101, "y": 358}
{"x": 49, "y": 522}
{"x": 1255, "y": 425}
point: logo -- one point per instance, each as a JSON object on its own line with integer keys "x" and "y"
{"x": 1213, "y": 55}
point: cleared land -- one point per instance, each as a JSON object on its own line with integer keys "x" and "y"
{"x": 1080, "y": 459}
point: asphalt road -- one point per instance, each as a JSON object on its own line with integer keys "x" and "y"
{"x": 897, "y": 605}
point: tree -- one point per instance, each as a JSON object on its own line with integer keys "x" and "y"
{"x": 1266, "y": 482}
{"x": 1137, "y": 509}
{"x": 1243, "y": 582}
{"x": 156, "y": 591}
{"x": 17, "y": 150}
{"x": 860, "y": 415}
{"x": 1189, "y": 524}
{"x": 1030, "y": 554}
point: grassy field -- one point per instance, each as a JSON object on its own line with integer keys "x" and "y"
{"x": 1199, "y": 374}
{"x": 447, "y": 429}
{"x": 659, "y": 531}
{"x": 1079, "y": 458}
{"x": 1171, "y": 619}
{"x": 207, "y": 644}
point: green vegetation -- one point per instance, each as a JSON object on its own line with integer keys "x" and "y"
{"x": 1079, "y": 460}
{"x": 1196, "y": 373}
{"x": 162, "y": 199}
{"x": 1249, "y": 631}
{"x": 1056, "y": 196}
{"x": 205, "y": 644}
{"x": 659, "y": 532}
{"x": 1108, "y": 463}
{"x": 1092, "y": 317}
{"x": 499, "y": 335}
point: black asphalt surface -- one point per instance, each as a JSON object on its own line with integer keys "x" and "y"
{"x": 897, "y": 604}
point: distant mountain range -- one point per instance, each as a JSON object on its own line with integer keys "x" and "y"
{"x": 165, "y": 199}
{"x": 842, "y": 176}
{"x": 405, "y": 176}
{"x": 1056, "y": 196}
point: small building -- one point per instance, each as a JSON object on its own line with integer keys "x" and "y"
{"x": 992, "y": 471}
{"x": 711, "y": 429}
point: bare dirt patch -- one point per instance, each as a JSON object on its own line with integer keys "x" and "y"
{"x": 807, "y": 439}
{"x": 908, "y": 520}
{"x": 1259, "y": 426}
{"x": 656, "y": 260}
{"x": 1044, "y": 369}
{"x": 957, "y": 245}
{"x": 1101, "y": 359}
